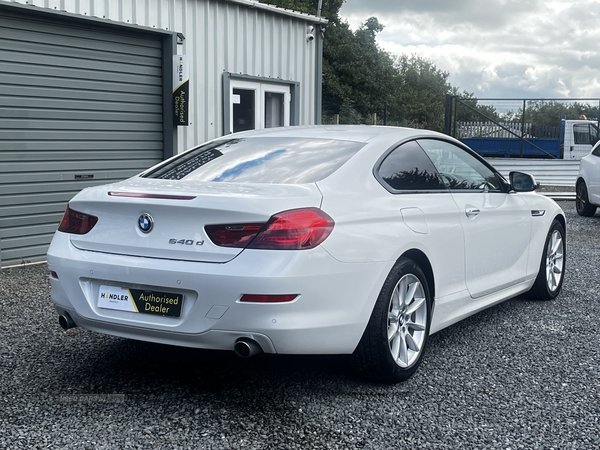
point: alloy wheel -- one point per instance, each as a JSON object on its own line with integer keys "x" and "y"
{"x": 407, "y": 321}
{"x": 554, "y": 260}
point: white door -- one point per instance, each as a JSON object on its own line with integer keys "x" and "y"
{"x": 497, "y": 229}
{"x": 585, "y": 135}
{"x": 257, "y": 105}
{"x": 496, "y": 224}
{"x": 276, "y": 105}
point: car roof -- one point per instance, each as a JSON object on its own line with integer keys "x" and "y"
{"x": 357, "y": 133}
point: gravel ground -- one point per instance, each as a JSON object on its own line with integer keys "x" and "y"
{"x": 522, "y": 375}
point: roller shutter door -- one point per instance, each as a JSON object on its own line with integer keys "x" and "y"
{"x": 80, "y": 105}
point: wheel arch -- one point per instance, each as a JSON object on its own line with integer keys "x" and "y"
{"x": 561, "y": 219}
{"x": 423, "y": 262}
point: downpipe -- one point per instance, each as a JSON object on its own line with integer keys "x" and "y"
{"x": 246, "y": 347}
{"x": 65, "y": 321}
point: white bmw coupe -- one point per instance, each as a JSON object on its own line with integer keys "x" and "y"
{"x": 353, "y": 240}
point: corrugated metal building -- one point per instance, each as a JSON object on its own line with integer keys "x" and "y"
{"x": 86, "y": 93}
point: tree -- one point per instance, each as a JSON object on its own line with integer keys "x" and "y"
{"x": 469, "y": 109}
{"x": 360, "y": 79}
{"x": 550, "y": 112}
{"x": 355, "y": 70}
{"x": 419, "y": 92}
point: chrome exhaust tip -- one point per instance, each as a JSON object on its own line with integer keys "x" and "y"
{"x": 246, "y": 347}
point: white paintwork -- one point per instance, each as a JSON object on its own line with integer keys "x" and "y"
{"x": 573, "y": 150}
{"x": 496, "y": 254}
{"x": 476, "y": 262}
{"x": 214, "y": 203}
{"x": 589, "y": 171}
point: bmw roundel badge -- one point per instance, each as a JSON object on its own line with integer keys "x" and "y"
{"x": 146, "y": 222}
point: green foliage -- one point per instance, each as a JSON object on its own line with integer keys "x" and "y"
{"x": 420, "y": 92}
{"x": 360, "y": 79}
{"x": 469, "y": 110}
{"x": 550, "y": 112}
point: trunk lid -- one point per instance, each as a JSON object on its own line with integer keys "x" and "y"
{"x": 179, "y": 211}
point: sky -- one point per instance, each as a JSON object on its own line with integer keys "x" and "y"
{"x": 495, "y": 48}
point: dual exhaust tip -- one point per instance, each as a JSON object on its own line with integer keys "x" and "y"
{"x": 243, "y": 347}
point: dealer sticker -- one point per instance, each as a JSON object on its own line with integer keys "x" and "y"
{"x": 112, "y": 297}
{"x": 140, "y": 301}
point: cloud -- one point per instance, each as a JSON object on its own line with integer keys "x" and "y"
{"x": 497, "y": 48}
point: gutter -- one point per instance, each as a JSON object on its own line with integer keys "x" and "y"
{"x": 277, "y": 10}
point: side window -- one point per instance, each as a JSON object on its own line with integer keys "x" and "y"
{"x": 407, "y": 168}
{"x": 593, "y": 134}
{"x": 596, "y": 150}
{"x": 581, "y": 134}
{"x": 459, "y": 169}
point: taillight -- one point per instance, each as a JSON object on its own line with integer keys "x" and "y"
{"x": 233, "y": 235}
{"x": 297, "y": 229}
{"x": 74, "y": 222}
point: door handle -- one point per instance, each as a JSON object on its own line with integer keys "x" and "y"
{"x": 472, "y": 212}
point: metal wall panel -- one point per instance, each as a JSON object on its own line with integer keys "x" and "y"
{"x": 79, "y": 106}
{"x": 64, "y": 88}
{"x": 237, "y": 36}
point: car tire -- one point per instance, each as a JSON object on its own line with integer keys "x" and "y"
{"x": 552, "y": 266}
{"x": 582, "y": 201}
{"x": 393, "y": 344}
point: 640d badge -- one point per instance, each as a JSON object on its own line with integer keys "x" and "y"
{"x": 185, "y": 242}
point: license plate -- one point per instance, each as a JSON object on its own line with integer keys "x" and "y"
{"x": 140, "y": 301}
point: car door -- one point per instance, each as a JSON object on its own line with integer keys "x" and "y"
{"x": 496, "y": 223}
{"x": 427, "y": 216}
{"x": 584, "y": 136}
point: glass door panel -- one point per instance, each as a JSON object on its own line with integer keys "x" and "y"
{"x": 274, "y": 109}
{"x": 244, "y": 106}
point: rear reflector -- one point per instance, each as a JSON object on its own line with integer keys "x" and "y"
{"x": 264, "y": 298}
{"x": 75, "y": 222}
{"x": 297, "y": 229}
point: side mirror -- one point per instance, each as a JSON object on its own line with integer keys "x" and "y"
{"x": 522, "y": 182}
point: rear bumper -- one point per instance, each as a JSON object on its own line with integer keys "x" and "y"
{"x": 329, "y": 315}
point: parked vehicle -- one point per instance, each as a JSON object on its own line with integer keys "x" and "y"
{"x": 575, "y": 140}
{"x": 306, "y": 240}
{"x": 587, "y": 186}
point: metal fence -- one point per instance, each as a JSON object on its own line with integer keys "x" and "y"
{"x": 505, "y": 130}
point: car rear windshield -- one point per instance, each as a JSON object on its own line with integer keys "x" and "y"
{"x": 275, "y": 160}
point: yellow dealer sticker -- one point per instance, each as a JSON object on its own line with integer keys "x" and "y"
{"x": 142, "y": 301}
{"x": 112, "y": 297}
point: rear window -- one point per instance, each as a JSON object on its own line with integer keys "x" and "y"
{"x": 274, "y": 160}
